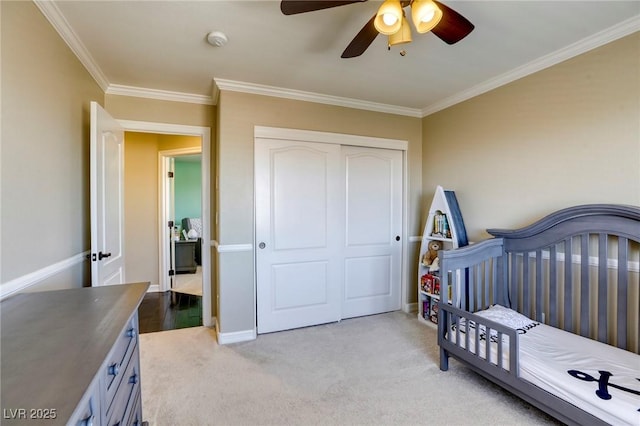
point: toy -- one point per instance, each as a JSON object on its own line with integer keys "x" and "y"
{"x": 432, "y": 253}
{"x": 435, "y": 265}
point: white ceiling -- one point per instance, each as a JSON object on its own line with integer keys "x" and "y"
{"x": 161, "y": 47}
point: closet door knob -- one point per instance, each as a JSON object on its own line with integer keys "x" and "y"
{"x": 397, "y": 237}
{"x": 262, "y": 245}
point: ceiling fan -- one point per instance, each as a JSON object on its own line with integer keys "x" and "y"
{"x": 390, "y": 20}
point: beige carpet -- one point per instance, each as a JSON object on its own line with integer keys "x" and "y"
{"x": 189, "y": 283}
{"x": 377, "y": 370}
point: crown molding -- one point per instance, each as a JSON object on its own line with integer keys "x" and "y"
{"x": 601, "y": 38}
{"x": 280, "y": 92}
{"x": 163, "y": 95}
{"x": 52, "y": 13}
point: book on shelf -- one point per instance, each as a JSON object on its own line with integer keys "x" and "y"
{"x": 434, "y": 312}
{"x": 441, "y": 226}
{"x": 458, "y": 222}
{"x": 426, "y": 308}
{"x": 430, "y": 283}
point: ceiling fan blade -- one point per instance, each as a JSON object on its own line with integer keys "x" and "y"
{"x": 362, "y": 40}
{"x": 292, "y": 7}
{"x": 453, "y": 27}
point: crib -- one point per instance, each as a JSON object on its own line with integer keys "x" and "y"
{"x": 550, "y": 312}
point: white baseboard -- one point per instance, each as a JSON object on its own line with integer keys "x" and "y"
{"x": 154, "y": 288}
{"x": 21, "y": 283}
{"x": 234, "y": 337}
{"x": 410, "y": 307}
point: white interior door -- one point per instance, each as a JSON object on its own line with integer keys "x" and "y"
{"x": 107, "y": 199}
{"x": 373, "y": 226}
{"x": 298, "y": 229}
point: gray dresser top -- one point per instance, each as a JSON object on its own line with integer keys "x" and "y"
{"x": 54, "y": 343}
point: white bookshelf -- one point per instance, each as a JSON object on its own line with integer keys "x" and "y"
{"x": 444, "y": 225}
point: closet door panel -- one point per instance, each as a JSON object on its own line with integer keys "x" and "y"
{"x": 297, "y": 234}
{"x": 373, "y": 220}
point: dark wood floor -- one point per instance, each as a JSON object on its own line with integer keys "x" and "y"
{"x": 168, "y": 311}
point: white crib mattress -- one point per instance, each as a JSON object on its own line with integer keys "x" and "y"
{"x": 600, "y": 379}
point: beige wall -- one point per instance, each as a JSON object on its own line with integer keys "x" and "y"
{"x": 567, "y": 135}
{"x": 239, "y": 113}
{"x": 45, "y": 150}
{"x": 157, "y": 111}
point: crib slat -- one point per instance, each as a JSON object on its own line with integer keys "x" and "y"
{"x": 466, "y": 335}
{"x": 583, "y": 320}
{"x": 487, "y": 345}
{"x": 477, "y": 340}
{"x": 525, "y": 285}
{"x": 513, "y": 291}
{"x": 568, "y": 284}
{"x": 539, "y": 283}
{"x": 499, "y": 282}
{"x": 603, "y": 286}
{"x": 494, "y": 280}
{"x": 472, "y": 290}
{"x": 487, "y": 283}
{"x": 623, "y": 257}
{"x": 480, "y": 304}
{"x": 553, "y": 290}
{"x": 499, "y": 350}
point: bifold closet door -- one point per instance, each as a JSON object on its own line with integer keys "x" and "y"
{"x": 298, "y": 230}
{"x": 372, "y": 250}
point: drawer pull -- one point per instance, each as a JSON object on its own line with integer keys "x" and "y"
{"x": 131, "y": 332}
{"x": 133, "y": 379}
{"x": 114, "y": 369}
{"x": 87, "y": 422}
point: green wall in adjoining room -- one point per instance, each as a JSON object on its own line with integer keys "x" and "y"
{"x": 188, "y": 188}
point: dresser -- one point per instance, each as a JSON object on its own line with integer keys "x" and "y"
{"x": 72, "y": 357}
{"x": 186, "y": 256}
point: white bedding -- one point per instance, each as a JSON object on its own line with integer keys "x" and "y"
{"x": 598, "y": 378}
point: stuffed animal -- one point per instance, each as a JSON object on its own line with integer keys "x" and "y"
{"x": 432, "y": 253}
{"x": 435, "y": 265}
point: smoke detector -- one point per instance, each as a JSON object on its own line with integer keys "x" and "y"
{"x": 217, "y": 38}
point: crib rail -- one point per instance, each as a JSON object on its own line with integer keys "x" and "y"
{"x": 577, "y": 270}
{"x": 461, "y": 335}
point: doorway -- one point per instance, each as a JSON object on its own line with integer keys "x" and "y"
{"x": 181, "y": 210}
{"x": 148, "y": 186}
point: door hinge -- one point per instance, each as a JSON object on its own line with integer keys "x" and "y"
{"x": 171, "y": 272}
{"x": 170, "y": 174}
{"x": 171, "y": 224}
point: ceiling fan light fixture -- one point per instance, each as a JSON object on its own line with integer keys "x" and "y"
{"x": 425, "y": 15}
{"x": 389, "y": 17}
{"x": 403, "y": 35}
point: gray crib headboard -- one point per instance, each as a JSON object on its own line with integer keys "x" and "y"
{"x": 578, "y": 269}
